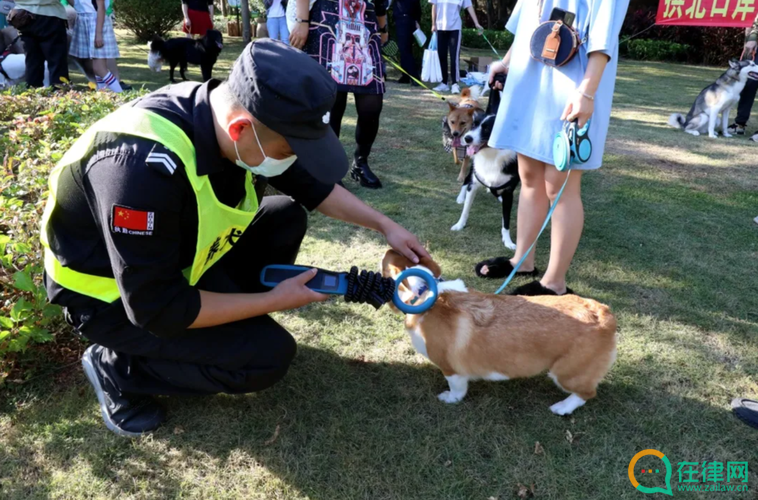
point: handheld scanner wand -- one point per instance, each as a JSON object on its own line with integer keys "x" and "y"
{"x": 357, "y": 286}
{"x": 324, "y": 282}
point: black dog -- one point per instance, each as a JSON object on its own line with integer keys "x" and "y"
{"x": 181, "y": 51}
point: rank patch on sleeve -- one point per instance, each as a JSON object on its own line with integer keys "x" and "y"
{"x": 130, "y": 221}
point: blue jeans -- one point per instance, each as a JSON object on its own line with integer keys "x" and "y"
{"x": 277, "y": 29}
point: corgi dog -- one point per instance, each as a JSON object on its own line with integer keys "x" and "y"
{"x": 460, "y": 118}
{"x": 477, "y": 336}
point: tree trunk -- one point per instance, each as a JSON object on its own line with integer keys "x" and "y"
{"x": 224, "y": 8}
{"x": 490, "y": 14}
{"x": 245, "y": 8}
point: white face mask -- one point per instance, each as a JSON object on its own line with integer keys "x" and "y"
{"x": 269, "y": 167}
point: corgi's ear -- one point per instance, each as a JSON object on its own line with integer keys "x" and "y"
{"x": 452, "y": 106}
{"x": 470, "y": 111}
{"x": 432, "y": 266}
{"x": 393, "y": 264}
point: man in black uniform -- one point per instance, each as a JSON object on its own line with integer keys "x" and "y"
{"x": 407, "y": 15}
{"x": 151, "y": 244}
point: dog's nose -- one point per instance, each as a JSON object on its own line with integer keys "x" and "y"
{"x": 468, "y": 139}
{"x": 456, "y": 133}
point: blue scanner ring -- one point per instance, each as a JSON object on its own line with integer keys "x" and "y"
{"x": 420, "y": 308}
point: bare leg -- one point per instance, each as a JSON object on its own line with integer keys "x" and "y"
{"x": 99, "y": 67}
{"x": 113, "y": 68}
{"x": 532, "y": 208}
{"x": 566, "y": 228}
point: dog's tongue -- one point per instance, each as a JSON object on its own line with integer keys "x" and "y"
{"x": 456, "y": 142}
{"x": 472, "y": 150}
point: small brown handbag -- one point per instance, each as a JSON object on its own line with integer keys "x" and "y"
{"x": 554, "y": 43}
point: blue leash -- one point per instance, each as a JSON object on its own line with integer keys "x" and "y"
{"x": 544, "y": 225}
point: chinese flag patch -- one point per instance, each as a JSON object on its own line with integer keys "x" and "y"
{"x": 131, "y": 221}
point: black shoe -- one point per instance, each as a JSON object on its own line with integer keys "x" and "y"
{"x": 403, "y": 79}
{"x": 500, "y": 267}
{"x": 746, "y": 410}
{"x": 125, "y": 86}
{"x": 736, "y": 129}
{"x": 361, "y": 173}
{"x": 535, "y": 288}
{"x": 415, "y": 84}
{"x": 126, "y": 416}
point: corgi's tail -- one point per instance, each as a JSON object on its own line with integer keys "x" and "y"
{"x": 677, "y": 120}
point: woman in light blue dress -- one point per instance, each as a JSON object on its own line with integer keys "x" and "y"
{"x": 535, "y": 101}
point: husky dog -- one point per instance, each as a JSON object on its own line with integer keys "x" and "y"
{"x": 718, "y": 97}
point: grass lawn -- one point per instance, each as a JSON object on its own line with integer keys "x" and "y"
{"x": 669, "y": 244}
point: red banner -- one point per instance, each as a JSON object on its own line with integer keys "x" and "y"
{"x": 725, "y": 13}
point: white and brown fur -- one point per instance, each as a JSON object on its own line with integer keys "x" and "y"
{"x": 459, "y": 121}
{"x": 717, "y": 98}
{"x": 476, "y": 336}
{"x": 494, "y": 169}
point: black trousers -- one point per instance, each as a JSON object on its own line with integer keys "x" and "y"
{"x": 45, "y": 40}
{"x": 449, "y": 42}
{"x": 747, "y": 97}
{"x": 369, "y": 108}
{"x": 240, "y": 357}
{"x": 404, "y": 28}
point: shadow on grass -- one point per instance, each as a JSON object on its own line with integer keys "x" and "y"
{"x": 345, "y": 428}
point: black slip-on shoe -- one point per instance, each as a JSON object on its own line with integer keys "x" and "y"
{"x": 126, "y": 416}
{"x": 535, "y": 288}
{"x": 500, "y": 267}
{"x": 746, "y": 410}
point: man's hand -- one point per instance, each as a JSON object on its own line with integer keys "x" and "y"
{"x": 405, "y": 242}
{"x": 292, "y": 293}
{"x": 299, "y": 35}
{"x": 187, "y": 23}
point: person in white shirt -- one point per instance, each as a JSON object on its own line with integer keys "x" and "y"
{"x": 446, "y": 22}
{"x": 275, "y": 20}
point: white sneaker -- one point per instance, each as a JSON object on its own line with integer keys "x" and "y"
{"x": 455, "y": 89}
{"x": 442, "y": 87}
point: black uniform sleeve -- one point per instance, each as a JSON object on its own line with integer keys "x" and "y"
{"x": 381, "y": 7}
{"x": 416, "y": 11}
{"x": 138, "y": 208}
{"x": 301, "y": 186}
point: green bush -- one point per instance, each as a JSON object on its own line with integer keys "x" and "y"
{"x": 146, "y": 18}
{"x": 36, "y": 128}
{"x": 655, "y": 50}
{"x": 501, "y": 40}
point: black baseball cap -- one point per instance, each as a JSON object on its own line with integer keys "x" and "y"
{"x": 292, "y": 94}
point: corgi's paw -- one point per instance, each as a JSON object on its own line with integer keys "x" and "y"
{"x": 568, "y": 405}
{"x": 693, "y": 132}
{"x": 458, "y": 227}
{"x": 727, "y": 134}
{"x": 450, "y": 397}
{"x": 713, "y": 136}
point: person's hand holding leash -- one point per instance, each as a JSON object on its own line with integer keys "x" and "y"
{"x": 292, "y": 293}
{"x": 579, "y": 107}
{"x": 497, "y": 68}
{"x": 750, "y": 48}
